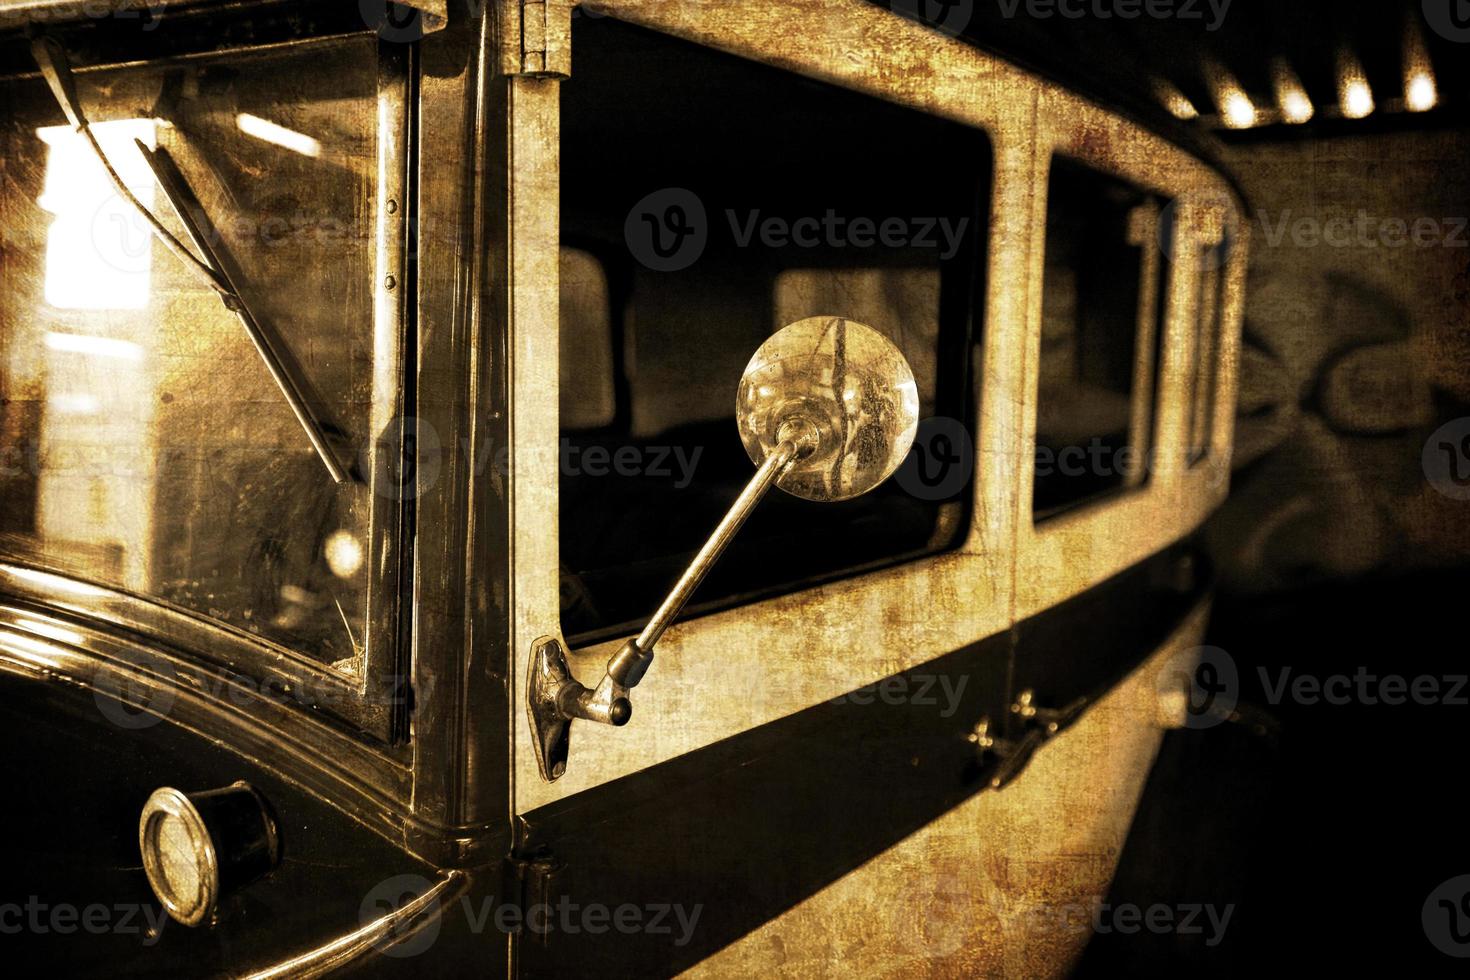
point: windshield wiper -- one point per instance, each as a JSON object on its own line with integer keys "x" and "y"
{"x": 196, "y": 223}
{"x": 214, "y": 267}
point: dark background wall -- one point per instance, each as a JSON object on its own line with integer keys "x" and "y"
{"x": 1327, "y": 818}
{"x": 1356, "y": 350}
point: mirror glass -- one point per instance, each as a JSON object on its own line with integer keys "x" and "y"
{"x": 847, "y": 380}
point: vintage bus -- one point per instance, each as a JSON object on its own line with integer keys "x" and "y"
{"x": 368, "y": 377}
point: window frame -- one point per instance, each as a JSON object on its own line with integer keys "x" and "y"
{"x": 1148, "y": 322}
{"x": 943, "y": 78}
{"x": 958, "y": 288}
{"x": 1103, "y": 536}
{"x": 371, "y": 700}
{"x": 1211, "y": 307}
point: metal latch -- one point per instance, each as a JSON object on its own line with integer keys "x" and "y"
{"x": 1011, "y": 755}
{"x": 535, "y": 38}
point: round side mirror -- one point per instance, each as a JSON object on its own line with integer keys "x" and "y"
{"x": 847, "y": 382}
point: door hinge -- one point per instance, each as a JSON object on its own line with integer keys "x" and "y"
{"x": 536, "y": 38}
{"x": 530, "y": 881}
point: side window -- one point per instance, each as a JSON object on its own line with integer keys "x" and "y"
{"x": 1204, "y": 361}
{"x": 1102, "y": 307}
{"x": 710, "y": 230}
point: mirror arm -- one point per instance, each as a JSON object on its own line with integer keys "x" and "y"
{"x": 791, "y": 448}
{"x": 556, "y": 698}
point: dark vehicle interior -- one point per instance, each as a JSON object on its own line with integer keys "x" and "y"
{"x": 643, "y": 112}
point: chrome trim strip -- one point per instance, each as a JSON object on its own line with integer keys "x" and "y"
{"x": 379, "y": 934}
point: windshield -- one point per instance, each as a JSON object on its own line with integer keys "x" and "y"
{"x": 143, "y": 441}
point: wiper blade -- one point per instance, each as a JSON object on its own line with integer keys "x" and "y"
{"x": 213, "y": 267}
{"x": 196, "y": 223}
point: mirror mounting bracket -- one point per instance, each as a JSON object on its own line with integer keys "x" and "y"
{"x": 555, "y": 698}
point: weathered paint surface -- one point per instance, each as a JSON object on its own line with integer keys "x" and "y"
{"x": 1005, "y": 884}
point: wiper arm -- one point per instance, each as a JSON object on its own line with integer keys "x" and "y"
{"x": 196, "y": 223}
{"x": 213, "y": 267}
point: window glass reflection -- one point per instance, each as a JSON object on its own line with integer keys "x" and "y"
{"x": 143, "y": 444}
